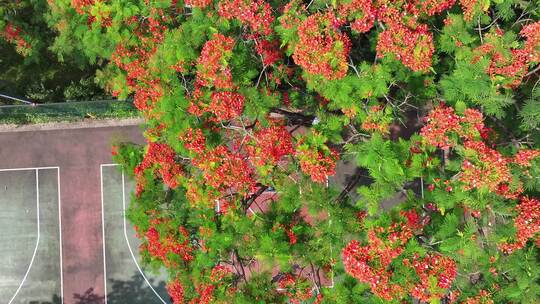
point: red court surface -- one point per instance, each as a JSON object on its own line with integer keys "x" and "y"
{"x": 78, "y": 155}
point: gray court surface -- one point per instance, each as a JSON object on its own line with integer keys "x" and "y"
{"x": 126, "y": 281}
{"x": 30, "y": 271}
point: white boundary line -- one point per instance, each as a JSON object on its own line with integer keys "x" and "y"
{"x": 29, "y": 168}
{"x": 37, "y": 241}
{"x": 60, "y": 235}
{"x": 125, "y": 233}
{"x": 103, "y": 234}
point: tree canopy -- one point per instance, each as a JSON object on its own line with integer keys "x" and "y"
{"x": 254, "y": 109}
{"x": 30, "y": 69}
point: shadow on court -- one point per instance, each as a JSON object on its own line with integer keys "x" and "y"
{"x": 121, "y": 292}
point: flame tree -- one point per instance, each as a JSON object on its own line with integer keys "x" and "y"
{"x": 252, "y": 107}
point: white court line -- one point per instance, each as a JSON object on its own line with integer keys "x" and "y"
{"x": 29, "y": 168}
{"x": 60, "y": 235}
{"x": 125, "y": 233}
{"x": 103, "y": 234}
{"x": 37, "y": 242}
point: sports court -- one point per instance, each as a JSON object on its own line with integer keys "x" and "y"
{"x": 64, "y": 235}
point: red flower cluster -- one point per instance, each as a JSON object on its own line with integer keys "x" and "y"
{"x": 429, "y": 268}
{"x": 469, "y": 7}
{"x": 360, "y": 13}
{"x": 176, "y": 291}
{"x": 210, "y": 68}
{"x": 291, "y": 14}
{"x": 322, "y": 49}
{"x": 161, "y": 246}
{"x": 295, "y": 288}
{"x": 429, "y": 7}
{"x": 483, "y": 167}
{"x": 370, "y": 264}
{"x": 146, "y": 96}
{"x": 440, "y": 121}
{"x": 206, "y": 290}
{"x": 12, "y": 34}
{"x": 269, "y": 145}
{"x": 81, "y": 5}
{"x": 162, "y": 157}
{"x": 134, "y": 58}
{"x": 317, "y": 164}
{"x": 194, "y": 141}
{"x": 256, "y": 14}
{"x": 206, "y": 294}
{"x": 292, "y": 237}
{"x": 226, "y": 105}
{"x": 268, "y": 50}
{"x": 357, "y": 259}
{"x": 377, "y": 120}
{"x": 511, "y": 64}
{"x": 532, "y": 45}
{"x": 527, "y": 224}
{"x": 487, "y": 169}
{"x": 508, "y": 62}
{"x": 218, "y": 273}
{"x": 524, "y": 157}
{"x": 199, "y": 3}
{"x": 414, "y": 48}
{"x": 226, "y": 171}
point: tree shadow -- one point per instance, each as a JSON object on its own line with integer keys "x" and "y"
{"x": 88, "y": 297}
{"x": 133, "y": 291}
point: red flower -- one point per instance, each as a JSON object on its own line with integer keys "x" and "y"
{"x": 361, "y": 13}
{"x": 161, "y": 157}
{"x": 433, "y": 266}
{"x": 370, "y": 263}
{"x": 291, "y": 235}
{"x": 524, "y": 157}
{"x": 527, "y": 224}
{"x": 210, "y": 68}
{"x": 322, "y": 49}
{"x": 199, "y": 3}
{"x": 414, "y": 48}
{"x": 194, "y": 141}
{"x": 490, "y": 170}
{"x": 176, "y": 291}
{"x": 226, "y": 105}
{"x": 268, "y": 50}
{"x": 225, "y": 170}
{"x": 440, "y": 121}
{"x": 317, "y": 164}
{"x": 256, "y": 14}
{"x": 532, "y": 45}
{"x": 270, "y": 145}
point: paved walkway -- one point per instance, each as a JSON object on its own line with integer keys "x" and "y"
{"x": 78, "y": 150}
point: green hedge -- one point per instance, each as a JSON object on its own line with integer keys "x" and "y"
{"x": 67, "y": 111}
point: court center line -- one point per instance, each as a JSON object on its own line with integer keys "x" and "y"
{"x": 37, "y": 241}
{"x": 127, "y": 240}
{"x": 60, "y": 235}
{"x": 103, "y": 234}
